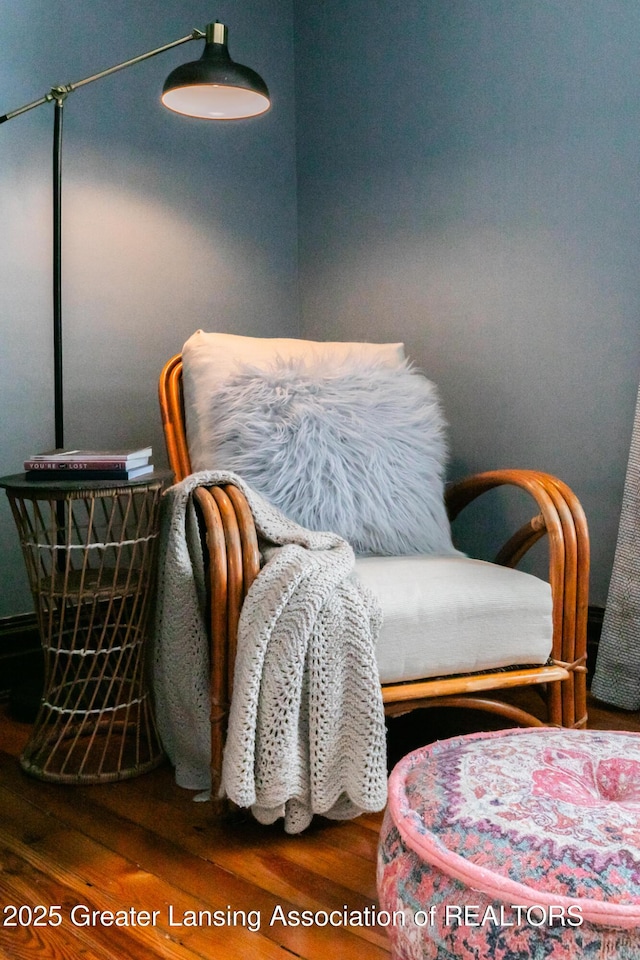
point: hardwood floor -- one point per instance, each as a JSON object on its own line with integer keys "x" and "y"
{"x": 143, "y": 854}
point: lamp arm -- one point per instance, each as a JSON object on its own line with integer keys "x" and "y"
{"x": 59, "y": 93}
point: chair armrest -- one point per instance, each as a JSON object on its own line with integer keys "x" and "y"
{"x": 232, "y": 562}
{"x": 561, "y": 517}
{"x": 552, "y": 497}
{"x": 233, "y": 555}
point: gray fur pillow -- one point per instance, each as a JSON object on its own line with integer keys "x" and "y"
{"x": 357, "y": 449}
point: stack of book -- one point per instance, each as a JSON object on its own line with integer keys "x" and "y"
{"x": 89, "y": 464}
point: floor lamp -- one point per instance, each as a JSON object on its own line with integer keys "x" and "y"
{"x": 211, "y": 88}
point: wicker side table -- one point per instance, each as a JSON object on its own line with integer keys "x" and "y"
{"x": 90, "y": 548}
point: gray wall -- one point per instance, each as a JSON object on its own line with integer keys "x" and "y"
{"x": 170, "y": 224}
{"x": 468, "y": 182}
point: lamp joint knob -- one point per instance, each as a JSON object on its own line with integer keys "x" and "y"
{"x": 59, "y": 94}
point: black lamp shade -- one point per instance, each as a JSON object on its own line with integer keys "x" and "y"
{"x": 214, "y": 87}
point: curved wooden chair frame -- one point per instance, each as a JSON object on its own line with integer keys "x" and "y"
{"x": 234, "y": 561}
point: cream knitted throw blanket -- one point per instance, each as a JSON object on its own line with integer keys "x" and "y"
{"x": 306, "y": 730}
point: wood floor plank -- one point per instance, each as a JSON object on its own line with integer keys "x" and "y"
{"x": 144, "y": 844}
{"x": 197, "y": 877}
{"x": 29, "y": 887}
{"x": 108, "y": 882}
{"x": 284, "y": 866}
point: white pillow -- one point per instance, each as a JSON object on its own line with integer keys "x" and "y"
{"x": 356, "y": 447}
{"x": 210, "y": 358}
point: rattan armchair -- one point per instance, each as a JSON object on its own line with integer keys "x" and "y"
{"x": 232, "y": 549}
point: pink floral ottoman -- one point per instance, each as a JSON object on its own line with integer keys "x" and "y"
{"x": 517, "y": 845}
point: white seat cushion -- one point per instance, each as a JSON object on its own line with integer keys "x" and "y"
{"x": 448, "y": 615}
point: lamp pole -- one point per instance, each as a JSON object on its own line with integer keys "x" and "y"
{"x": 57, "y": 271}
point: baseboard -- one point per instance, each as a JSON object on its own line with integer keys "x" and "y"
{"x": 594, "y": 629}
{"x": 20, "y": 654}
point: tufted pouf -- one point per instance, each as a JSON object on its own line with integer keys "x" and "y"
{"x": 517, "y": 845}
